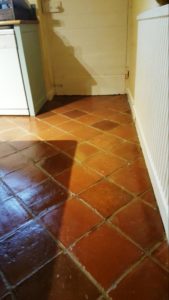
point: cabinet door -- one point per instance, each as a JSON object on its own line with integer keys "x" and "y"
{"x": 31, "y": 63}
{"x": 12, "y": 92}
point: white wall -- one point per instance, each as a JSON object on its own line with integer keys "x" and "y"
{"x": 88, "y": 46}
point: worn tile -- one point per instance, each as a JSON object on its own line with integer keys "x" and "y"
{"x": 60, "y": 279}
{"x": 162, "y": 254}
{"x": 77, "y": 178}
{"x": 43, "y": 196}
{"x": 147, "y": 281}
{"x": 74, "y": 113}
{"x": 12, "y": 216}
{"x": 5, "y": 193}
{"x": 70, "y": 221}
{"x": 39, "y": 151}
{"x": 22, "y": 179}
{"x": 106, "y": 197}
{"x": 105, "y": 125}
{"x": 102, "y": 254}
{"x": 56, "y": 164}
{"x": 133, "y": 177}
{"x": 82, "y": 151}
{"x": 104, "y": 163}
{"x": 142, "y": 223}
{"x": 25, "y": 251}
{"x": 6, "y": 149}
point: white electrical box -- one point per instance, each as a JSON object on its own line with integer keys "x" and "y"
{"x": 51, "y": 6}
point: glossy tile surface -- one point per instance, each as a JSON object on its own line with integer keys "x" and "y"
{"x": 78, "y": 216}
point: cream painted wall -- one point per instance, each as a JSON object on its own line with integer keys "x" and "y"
{"x": 135, "y": 8}
{"x": 84, "y": 46}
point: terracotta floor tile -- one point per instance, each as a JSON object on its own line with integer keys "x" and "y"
{"x": 105, "y": 197}
{"x": 12, "y": 163}
{"x": 77, "y": 178}
{"x": 120, "y": 118}
{"x": 45, "y": 115}
{"x": 12, "y": 216}
{"x": 12, "y": 134}
{"x": 105, "y": 164}
{"x": 120, "y": 105}
{"x": 162, "y": 254}
{"x": 56, "y": 164}
{"x": 147, "y": 281}
{"x": 128, "y": 151}
{"x": 22, "y": 179}
{"x": 3, "y": 288}
{"x": 82, "y": 151}
{"x": 74, "y": 113}
{"x": 89, "y": 119}
{"x": 149, "y": 198}
{"x": 26, "y": 250}
{"x": 51, "y": 134}
{"x": 55, "y": 119}
{"x": 86, "y": 133}
{"x": 25, "y": 141}
{"x": 70, "y": 221}
{"x": 39, "y": 151}
{"x": 43, "y": 196}
{"x": 105, "y": 125}
{"x": 133, "y": 177}
{"x": 32, "y": 125}
{"x": 127, "y": 132}
{"x": 50, "y": 282}
{"x": 6, "y": 149}
{"x": 142, "y": 223}
{"x": 106, "y": 142}
{"x": 5, "y": 124}
{"x": 102, "y": 254}
{"x": 5, "y": 193}
{"x": 64, "y": 142}
{"x": 71, "y": 126}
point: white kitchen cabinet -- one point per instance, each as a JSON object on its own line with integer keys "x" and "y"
{"x": 22, "y": 90}
{"x": 12, "y": 93}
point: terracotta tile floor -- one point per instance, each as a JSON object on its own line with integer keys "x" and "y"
{"x": 78, "y": 217}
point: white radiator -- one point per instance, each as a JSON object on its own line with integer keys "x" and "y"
{"x": 151, "y": 103}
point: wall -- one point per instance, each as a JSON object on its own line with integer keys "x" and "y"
{"x": 135, "y": 8}
{"x": 85, "y": 46}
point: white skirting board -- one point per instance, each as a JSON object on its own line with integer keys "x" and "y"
{"x": 161, "y": 201}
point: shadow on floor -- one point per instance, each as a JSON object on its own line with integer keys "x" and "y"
{"x": 32, "y": 207}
